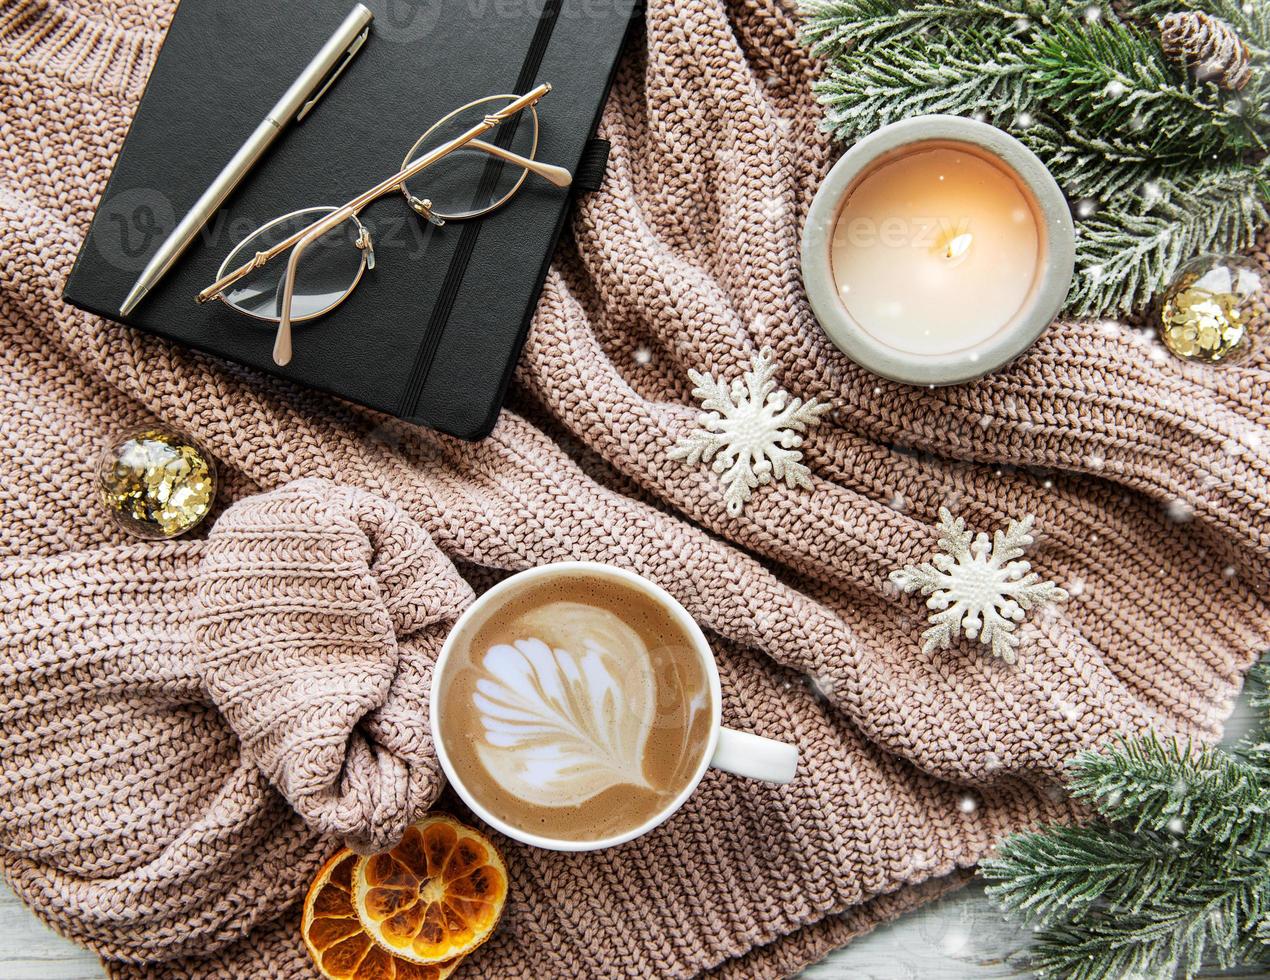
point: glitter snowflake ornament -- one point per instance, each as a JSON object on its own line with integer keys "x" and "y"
{"x": 978, "y": 588}
{"x": 751, "y": 430}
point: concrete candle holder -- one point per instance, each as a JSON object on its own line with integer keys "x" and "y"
{"x": 937, "y": 250}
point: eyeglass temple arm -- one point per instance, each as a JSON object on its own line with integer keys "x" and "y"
{"x": 282, "y": 340}
{"x": 559, "y": 176}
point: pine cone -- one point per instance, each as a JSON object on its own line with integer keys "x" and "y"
{"x": 1208, "y": 46}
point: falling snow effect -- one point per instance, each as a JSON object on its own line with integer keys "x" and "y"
{"x": 1179, "y": 511}
{"x": 978, "y": 588}
{"x": 751, "y": 430}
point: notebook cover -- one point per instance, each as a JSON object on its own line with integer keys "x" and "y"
{"x": 433, "y": 331}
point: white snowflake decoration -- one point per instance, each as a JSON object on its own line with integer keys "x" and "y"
{"x": 976, "y": 587}
{"x": 751, "y": 430}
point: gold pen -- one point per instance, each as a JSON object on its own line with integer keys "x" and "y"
{"x": 296, "y": 103}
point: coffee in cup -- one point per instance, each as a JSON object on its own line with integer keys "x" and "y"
{"x": 577, "y": 707}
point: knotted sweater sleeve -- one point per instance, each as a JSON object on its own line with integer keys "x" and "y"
{"x": 188, "y": 727}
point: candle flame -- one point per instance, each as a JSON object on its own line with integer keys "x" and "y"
{"x": 957, "y": 247}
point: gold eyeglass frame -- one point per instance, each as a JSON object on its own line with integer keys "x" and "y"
{"x": 302, "y": 239}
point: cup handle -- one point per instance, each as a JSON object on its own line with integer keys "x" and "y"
{"x": 743, "y": 754}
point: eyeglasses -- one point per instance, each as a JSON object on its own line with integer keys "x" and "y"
{"x": 331, "y": 248}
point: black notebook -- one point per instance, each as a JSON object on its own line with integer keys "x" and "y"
{"x": 432, "y": 333}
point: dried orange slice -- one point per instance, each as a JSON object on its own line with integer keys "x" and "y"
{"x": 340, "y": 947}
{"x": 436, "y": 895}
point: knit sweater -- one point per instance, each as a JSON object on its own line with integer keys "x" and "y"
{"x": 188, "y": 728}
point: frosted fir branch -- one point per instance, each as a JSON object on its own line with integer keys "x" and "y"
{"x": 1109, "y": 902}
{"x": 1121, "y": 260}
{"x": 860, "y": 95}
{"x": 1117, "y": 168}
{"x": 1218, "y": 918}
{"x": 1100, "y": 914}
{"x": 833, "y": 27}
{"x": 1122, "y": 256}
{"x": 1254, "y": 747}
{"x": 1201, "y": 794}
{"x": 1177, "y": 873}
{"x": 1108, "y": 77}
{"x": 1051, "y": 876}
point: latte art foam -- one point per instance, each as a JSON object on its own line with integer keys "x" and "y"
{"x": 561, "y": 727}
{"x": 582, "y": 706}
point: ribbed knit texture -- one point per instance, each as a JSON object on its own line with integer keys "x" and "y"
{"x": 187, "y": 729}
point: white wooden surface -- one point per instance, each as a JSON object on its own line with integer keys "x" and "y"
{"x": 959, "y": 937}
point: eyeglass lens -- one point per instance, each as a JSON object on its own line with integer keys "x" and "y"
{"x": 327, "y": 270}
{"x": 469, "y": 181}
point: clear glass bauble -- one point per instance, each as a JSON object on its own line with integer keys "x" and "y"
{"x": 1214, "y": 310}
{"x": 156, "y": 483}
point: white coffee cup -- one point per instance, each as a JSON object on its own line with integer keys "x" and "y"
{"x": 731, "y": 751}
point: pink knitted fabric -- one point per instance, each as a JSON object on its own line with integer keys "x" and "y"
{"x": 187, "y": 729}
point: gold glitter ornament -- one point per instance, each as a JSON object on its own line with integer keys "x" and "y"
{"x": 1214, "y": 309}
{"x": 156, "y": 483}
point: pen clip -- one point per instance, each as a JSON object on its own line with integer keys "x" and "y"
{"x": 334, "y": 74}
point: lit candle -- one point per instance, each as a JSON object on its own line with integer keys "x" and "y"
{"x": 936, "y": 250}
